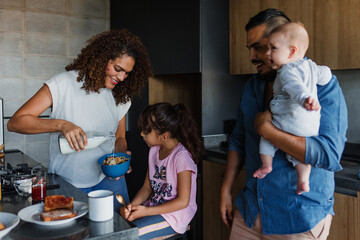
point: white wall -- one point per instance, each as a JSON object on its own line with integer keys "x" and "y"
{"x": 38, "y": 38}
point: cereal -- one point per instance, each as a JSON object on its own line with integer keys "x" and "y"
{"x": 115, "y": 160}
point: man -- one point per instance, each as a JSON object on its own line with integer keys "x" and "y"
{"x": 269, "y": 208}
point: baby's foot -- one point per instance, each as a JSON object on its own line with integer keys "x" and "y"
{"x": 262, "y": 172}
{"x": 302, "y": 187}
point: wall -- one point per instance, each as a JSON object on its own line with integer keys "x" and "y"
{"x": 220, "y": 91}
{"x": 38, "y": 38}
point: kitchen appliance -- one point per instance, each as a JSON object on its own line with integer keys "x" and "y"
{"x": 12, "y": 175}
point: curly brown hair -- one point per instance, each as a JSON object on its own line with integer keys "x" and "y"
{"x": 92, "y": 61}
{"x": 177, "y": 120}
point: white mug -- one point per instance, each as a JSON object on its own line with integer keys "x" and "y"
{"x": 101, "y": 205}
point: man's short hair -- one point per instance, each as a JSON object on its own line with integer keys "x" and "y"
{"x": 272, "y": 17}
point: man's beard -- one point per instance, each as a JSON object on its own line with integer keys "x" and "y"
{"x": 268, "y": 76}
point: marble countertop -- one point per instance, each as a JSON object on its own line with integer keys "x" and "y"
{"x": 81, "y": 228}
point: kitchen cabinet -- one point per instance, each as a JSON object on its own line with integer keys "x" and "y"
{"x": 213, "y": 173}
{"x": 346, "y": 222}
{"x": 180, "y": 88}
{"x": 170, "y": 30}
{"x": 330, "y": 23}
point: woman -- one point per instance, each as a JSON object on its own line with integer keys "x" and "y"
{"x": 94, "y": 94}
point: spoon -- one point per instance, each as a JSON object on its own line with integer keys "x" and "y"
{"x": 120, "y": 199}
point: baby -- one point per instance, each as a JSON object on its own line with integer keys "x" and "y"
{"x": 295, "y": 107}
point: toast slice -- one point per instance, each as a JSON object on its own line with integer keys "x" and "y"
{"x": 58, "y": 202}
{"x": 58, "y": 214}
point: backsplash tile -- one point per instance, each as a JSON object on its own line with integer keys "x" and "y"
{"x": 214, "y": 140}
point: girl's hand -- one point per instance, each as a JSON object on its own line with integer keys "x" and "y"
{"x": 137, "y": 211}
{"x": 125, "y": 211}
{"x": 75, "y": 136}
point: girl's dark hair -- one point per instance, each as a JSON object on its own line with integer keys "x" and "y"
{"x": 177, "y": 120}
{"x": 92, "y": 61}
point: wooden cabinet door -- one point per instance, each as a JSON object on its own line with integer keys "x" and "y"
{"x": 345, "y": 224}
{"x": 332, "y": 25}
{"x": 213, "y": 226}
{"x": 337, "y": 33}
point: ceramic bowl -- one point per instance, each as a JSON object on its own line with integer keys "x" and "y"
{"x": 117, "y": 170}
{"x": 10, "y": 221}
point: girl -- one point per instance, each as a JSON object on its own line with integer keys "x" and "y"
{"x": 166, "y": 203}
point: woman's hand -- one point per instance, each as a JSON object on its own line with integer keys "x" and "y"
{"x": 75, "y": 135}
{"x": 137, "y": 211}
{"x": 130, "y": 169}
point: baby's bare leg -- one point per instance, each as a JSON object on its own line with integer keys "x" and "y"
{"x": 303, "y": 171}
{"x": 266, "y": 166}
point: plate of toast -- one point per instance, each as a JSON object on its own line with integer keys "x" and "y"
{"x": 56, "y": 210}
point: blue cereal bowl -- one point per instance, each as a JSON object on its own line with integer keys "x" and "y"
{"x": 117, "y": 170}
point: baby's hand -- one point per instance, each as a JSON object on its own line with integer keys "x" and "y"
{"x": 311, "y": 104}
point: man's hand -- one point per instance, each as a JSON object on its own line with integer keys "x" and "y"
{"x": 263, "y": 122}
{"x": 226, "y": 209}
{"x": 311, "y": 104}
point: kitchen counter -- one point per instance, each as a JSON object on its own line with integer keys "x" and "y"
{"x": 216, "y": 154}
{"x": 346, "y": 180}
{"x": 81, "y": 228}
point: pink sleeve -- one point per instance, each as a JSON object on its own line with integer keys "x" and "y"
{"x": 184, "y": 162}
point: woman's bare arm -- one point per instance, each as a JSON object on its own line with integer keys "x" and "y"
{"x": 26, "y": 120}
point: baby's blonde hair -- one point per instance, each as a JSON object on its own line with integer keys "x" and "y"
{"x": 296, "y": 35}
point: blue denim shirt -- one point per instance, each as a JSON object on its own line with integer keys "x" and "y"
{"x": 282, "y": 211}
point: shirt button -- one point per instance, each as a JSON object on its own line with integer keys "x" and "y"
{"x": 261, "y": 199}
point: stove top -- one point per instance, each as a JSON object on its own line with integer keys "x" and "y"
{"x": 16, "y": 166}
